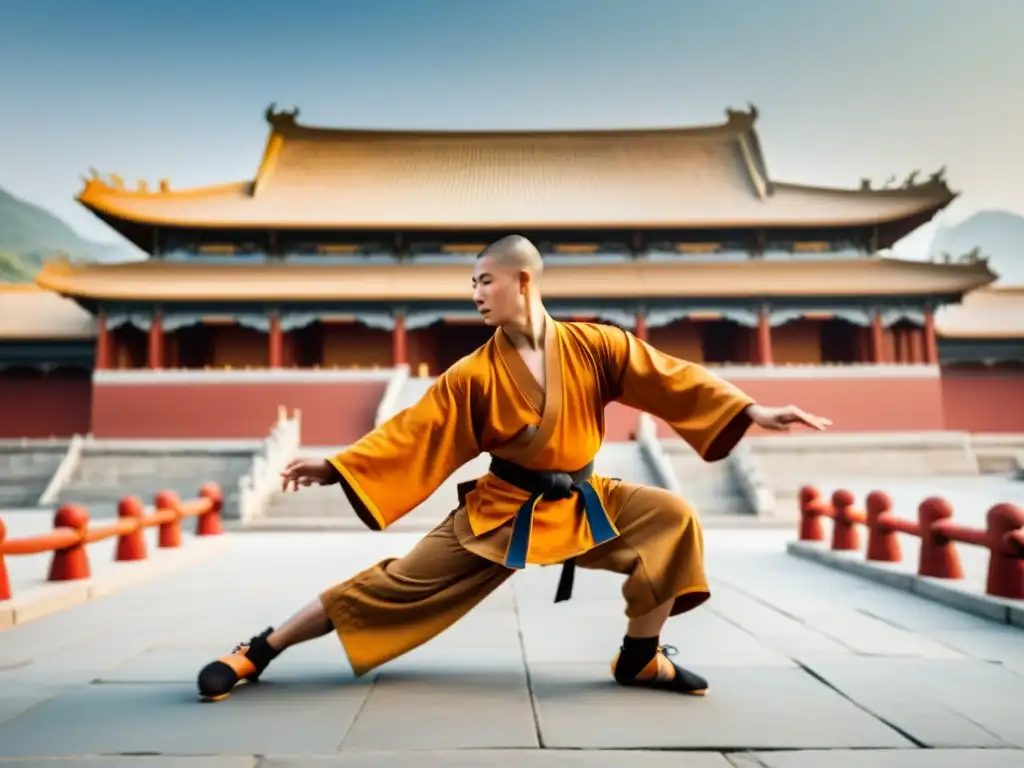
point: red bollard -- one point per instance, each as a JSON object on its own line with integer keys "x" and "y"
{"x": 844, "y": 529}
{"x": 939, "y": 558}
{"x": 170, "y": 532}
{"x": 208, "y": 523}
{"x": 810, "y": 514}
{"x": 1006, "y": 561}
{"x": 883, "y": 543}
{"x": 72, "y": 563}
{"x": 5, "y": 580}
{"x": 131, "y": 546}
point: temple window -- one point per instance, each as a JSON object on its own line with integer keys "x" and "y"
{"x": 843, "y": 342}
{"x": 129, "y": 347}
{"x": 724, "y": 342}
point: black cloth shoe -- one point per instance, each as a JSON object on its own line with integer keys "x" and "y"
{"x": 662, "y": 674}
{"x": 244, "y": 664}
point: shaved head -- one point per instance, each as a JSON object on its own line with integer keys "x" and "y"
{"x": 515, "y": 252}
{"x": 506, "y": 280}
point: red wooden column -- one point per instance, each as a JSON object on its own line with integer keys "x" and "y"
{"x": 276, "y": 351}
{"x": 877, "y": 339}
{"x": 398, "y": 341}
{"x": 903, "y": 351}
{"x": 103, "y": 342}
{"x": 156, "y": 341}
{"x": 917, "y": 346}
{"x": 641, "y": 326}
{"x": 931, "y": 345}
{"x": 764, "y": 338}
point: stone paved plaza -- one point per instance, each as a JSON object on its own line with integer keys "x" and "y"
{"x": 808, "y": 667}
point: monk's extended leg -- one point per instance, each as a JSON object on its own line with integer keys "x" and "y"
{"x": 378, "y": 614}
{"x": 660, "y": 548}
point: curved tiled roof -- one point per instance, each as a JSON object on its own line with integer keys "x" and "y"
{"x": 991, "y": 313}
{"x": 712, "y": 176}
{"x": 27, "y": 313}
{"x": 189, "y": 281}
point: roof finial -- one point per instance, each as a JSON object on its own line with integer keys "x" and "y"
{"x": 939, "y": 177}
{"x": 737, "y": 117}
{"x": 909, "y": 181}
{"x": 281, "y": 119}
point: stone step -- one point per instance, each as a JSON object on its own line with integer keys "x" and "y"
{"x": 711, "y": 487}
{"x": 102, "y": 479}
{"x": 15, "y": 497}
{"x": 25, "y": 473}
{"x": 41, "y": 478}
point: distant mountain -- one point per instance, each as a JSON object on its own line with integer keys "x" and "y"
{"x": 29, "y": 235}
{"x": 999, "y": 235}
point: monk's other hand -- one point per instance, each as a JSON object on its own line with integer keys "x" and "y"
{"x": 781, "y": 419}
{"x": 306, "y": 472}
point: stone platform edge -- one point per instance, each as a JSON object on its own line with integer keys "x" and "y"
{"x": 954, "y": 594}
{"x": 45, "y": 598}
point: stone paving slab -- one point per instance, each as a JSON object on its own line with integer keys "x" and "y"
{"x": 579, "y": 706}
{"x": 298, "y": 717}
{"x": 938, "y": 703}
{"x": 993, "y": 758}
{"x": 136, "y": 761}
{"x": 546, "y": 758}
{"x": 34, "y": 597}
{"x": 446, "y": 707}
{"x": 523, "y": 671}
{"x": 967, "y": 595}
{"x": 869, "y": 758}
{"x": 551, "y": 634}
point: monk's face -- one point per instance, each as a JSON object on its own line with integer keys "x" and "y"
{"x": 499, "y": 292}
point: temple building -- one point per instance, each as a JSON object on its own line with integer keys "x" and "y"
{"x": 351, "y": 250}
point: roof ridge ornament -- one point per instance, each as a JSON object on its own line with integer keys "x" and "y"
{"x": 282, "y": 119}
{"x": 938, "y": 178}
{"x": 740, "y": 119}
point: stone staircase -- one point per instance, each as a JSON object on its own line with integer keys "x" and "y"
{"x": 108, "y": 471}
{"x": 25, "y": 470}
{"x": 791, "y": 461}
{"x": 327, "y": 507}
{"x": 712, "y": 488}
{"x": 999, "y": 454}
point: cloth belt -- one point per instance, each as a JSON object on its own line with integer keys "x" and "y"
{"x": 551, "y": 486}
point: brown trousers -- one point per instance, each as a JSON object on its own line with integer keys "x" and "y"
{"x": 401, "y": 603}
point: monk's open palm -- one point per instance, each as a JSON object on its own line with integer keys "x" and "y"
{"x": 781, "y": 419}
{"x": 306, "y": 472}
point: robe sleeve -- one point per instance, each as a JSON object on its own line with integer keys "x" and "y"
{"x": 397, "y": 466}
{"x": 709, "y": 413}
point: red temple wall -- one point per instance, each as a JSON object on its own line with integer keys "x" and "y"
{"x": 984, "y": 399}
{"x": 333, "y": 412}
{"x": 339, "y": 411}
{"x": 854, "y": 404}
{"x": 56, "y": 404}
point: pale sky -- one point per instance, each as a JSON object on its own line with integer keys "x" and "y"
{"x": 178, "y": 89}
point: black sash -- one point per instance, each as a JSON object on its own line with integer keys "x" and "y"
{"x": 551, "y": 486}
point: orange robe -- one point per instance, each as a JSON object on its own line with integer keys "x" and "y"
{"x": 489, "y": 402}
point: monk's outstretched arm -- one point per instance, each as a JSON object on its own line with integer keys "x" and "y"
{"x": 709, "y": 413}
{"x": 397, "y": 466}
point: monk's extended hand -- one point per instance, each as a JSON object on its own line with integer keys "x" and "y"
{"x": 306, "y": 472}
{"x": 780, "y": 419}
